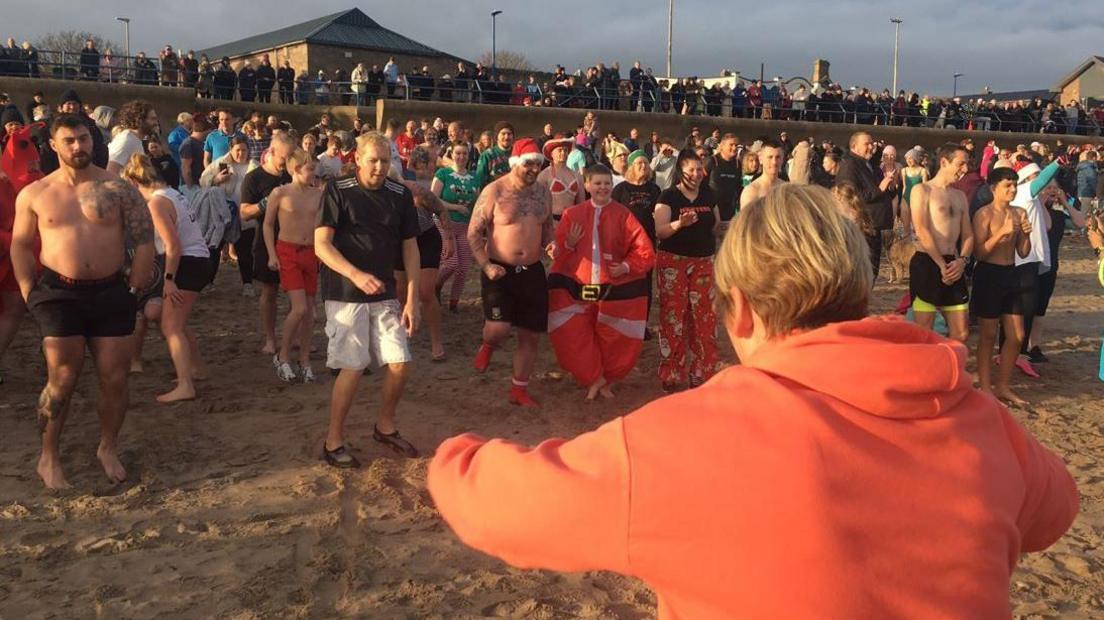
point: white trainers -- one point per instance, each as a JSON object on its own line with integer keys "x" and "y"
{"x": 285, "y": 372}
{"x": 248, "y": 290}
{"x": 307, "y": 374}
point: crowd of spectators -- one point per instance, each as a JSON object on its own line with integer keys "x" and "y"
{"x": 599, "y": 87}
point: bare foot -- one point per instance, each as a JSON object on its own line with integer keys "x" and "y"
{"x": 112, "y": 467}
{"x": 593, "y": 390}
{"x": 1007, "y": 395}
{"x": 269, "y": 348}
{"x": 186, "y": 392}
{"x": 606, "y": 392}
{"x": 49, "y": 469}
{"x": 136, "y": 367}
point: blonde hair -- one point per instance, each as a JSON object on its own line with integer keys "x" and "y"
{"x": 851, "y": 205}
{"x": 373, "y": 138}
{"x": 798, "y": 261}
{"x": 298, "y": 159}
{"x": 141, "y": 171}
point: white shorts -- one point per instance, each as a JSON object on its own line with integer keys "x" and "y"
{"x": 360, "y": 332}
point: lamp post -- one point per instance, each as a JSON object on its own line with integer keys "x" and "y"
{"x": 494, "y": 50}
{"x": 670, "y": 33}
{"x": 896, "y": 49}
{"x": 955, "y": 91}
{"x": 126, "y": 30}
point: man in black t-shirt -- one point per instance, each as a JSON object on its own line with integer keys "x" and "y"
{"x": 256, "y": 187}
{"x": 365, "y": 222}
{"x": 725, "y": 176}
{"x": 191, "y": 152}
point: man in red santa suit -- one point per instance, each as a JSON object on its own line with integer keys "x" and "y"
{"x": 598, "y": 291}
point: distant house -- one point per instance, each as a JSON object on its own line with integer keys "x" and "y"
{"x": 339, "y": 40}
{"x": 1084, "y": 82}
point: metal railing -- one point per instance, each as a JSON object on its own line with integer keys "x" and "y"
{"x": 646, "y": 98}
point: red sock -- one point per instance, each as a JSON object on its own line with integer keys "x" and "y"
{"x": 483, "y": 357}
{"x": 519, "y": 394}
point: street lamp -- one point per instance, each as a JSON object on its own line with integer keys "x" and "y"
{"x": 670, "y": 33}
{"x": 126, "y": 28}
{"x": 896, "y": 21}
{"x": 955, "y": 92}
{"x": 494, "y": 51}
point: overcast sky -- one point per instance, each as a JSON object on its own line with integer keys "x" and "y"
{"x": 1006, "y": 45}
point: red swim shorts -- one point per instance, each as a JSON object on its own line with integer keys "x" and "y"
{"x": 298, "y": 267}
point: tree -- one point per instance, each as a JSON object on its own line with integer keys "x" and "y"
{"x": 72, "y": 42}
{"x": 508, "y": 61}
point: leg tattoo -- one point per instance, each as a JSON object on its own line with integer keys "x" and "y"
{"x": 50, "y": 408}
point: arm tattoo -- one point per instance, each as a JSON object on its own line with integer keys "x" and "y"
{"x": 137, "y": 223}
{"x": 102, "y": 197}
{"x": 425, "y": 199}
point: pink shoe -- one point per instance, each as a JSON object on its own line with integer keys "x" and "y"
{"x": 520, "y": 396}
{"x": 1026, "y": 368}
{"x": 483, "y": 357}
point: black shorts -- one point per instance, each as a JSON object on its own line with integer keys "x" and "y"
{"x": 261, "y": 272}
{"x": 926, "y": 283}
{"x": 995, "y": 291}
{"x": 193, "y": 273}
{"x": 1046, "y": 290}
{"x": 430, "y": 245}
{"x": 519, "y": 298}
{"x": 63, "y": 307}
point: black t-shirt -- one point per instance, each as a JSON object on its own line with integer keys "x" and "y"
{"x": 641, "y": 201}
{"x": 258, "y": 184}
{"x": 725, "y": 179}
{"x": 696, "y": 240}
{"x": 369, "y": 228}
{"x": 192, "y": 149}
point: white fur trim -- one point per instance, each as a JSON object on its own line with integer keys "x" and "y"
{"x": 519, "y": 159}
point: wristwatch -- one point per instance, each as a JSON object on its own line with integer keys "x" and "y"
{"x": 169, "y": 277}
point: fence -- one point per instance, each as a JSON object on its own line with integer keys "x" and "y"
{"x": 149, "y": 71}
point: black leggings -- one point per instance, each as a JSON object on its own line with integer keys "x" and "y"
{"x": 244, "y": 249}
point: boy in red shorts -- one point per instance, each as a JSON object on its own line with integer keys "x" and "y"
{"x": 289, "y": 234}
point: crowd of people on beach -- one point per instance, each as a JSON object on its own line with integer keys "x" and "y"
{"x": 111, "y": 225}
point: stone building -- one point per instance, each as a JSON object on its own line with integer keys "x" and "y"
{"x": 1086, "y": 82}
{"x": 339, "y": 40}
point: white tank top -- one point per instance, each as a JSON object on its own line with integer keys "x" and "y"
{"x": 191, "y": 238}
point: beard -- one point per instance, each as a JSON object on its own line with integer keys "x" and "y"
{"x": 79, "y": 161}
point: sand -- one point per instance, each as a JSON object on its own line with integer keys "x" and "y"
{"x": 230, "y": 513}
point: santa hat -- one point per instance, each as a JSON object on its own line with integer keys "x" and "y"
{"x": 525, "y": 150}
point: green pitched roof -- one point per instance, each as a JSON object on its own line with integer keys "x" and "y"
{"x": 351, "y": 28}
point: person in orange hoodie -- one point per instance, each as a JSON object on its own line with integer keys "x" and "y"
{"x": 848, "y": 469}
{"x": 597, "y": 289}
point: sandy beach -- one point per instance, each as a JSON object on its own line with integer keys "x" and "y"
{"x": 229, "y": 512}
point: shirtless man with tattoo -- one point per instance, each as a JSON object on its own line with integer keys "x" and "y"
{"x": 770, "y": 162}
{"x": 87, "y": 219}
{"x": 945, "y": 241}
{"x": 510, "y": 225}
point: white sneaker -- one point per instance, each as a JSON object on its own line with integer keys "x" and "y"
{"x": 307, "y": 374}
{"x": 248, "y": 290}
{"x": 285, "y": 372}
{"x": 276, "y": 362}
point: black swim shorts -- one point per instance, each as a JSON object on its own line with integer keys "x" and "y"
{"x": 926, "y": 285}
{"x": 64, "y": 307}
{"x": 995, "y": 291}
{"x": 519, "y": 298}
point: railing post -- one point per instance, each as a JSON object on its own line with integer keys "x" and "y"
{"x": 64, "y": 71}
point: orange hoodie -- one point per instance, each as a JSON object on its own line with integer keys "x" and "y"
{"x": 846, "y": 472}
